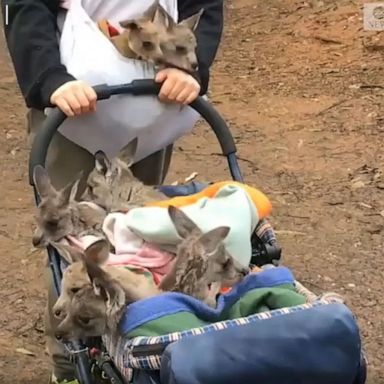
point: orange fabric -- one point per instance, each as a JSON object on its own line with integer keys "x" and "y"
{"x": 107, "y": 29}
{"x": 261, "y": 202}
{"x": 103, "y": 26}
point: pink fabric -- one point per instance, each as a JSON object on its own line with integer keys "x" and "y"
{"x": 148, "y": 256}
{"x": 133, "y": 250}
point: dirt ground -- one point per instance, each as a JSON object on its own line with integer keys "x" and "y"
{"x": 301, "y": 84}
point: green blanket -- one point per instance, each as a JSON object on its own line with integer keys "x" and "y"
{"x": 254, "y": 301}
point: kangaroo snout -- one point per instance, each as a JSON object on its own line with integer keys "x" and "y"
{"x": 62, "y": 334}
{"x": 38, "y": 240}
{"x": 59, "y": 335}
{"x": 195, "y": 66}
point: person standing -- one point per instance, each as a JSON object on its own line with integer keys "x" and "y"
{"x": 31, "y": 34}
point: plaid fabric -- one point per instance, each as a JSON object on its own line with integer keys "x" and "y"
{"x": 121, "y": 348}
{"x": 117, "y": 347}
{"x": 265, "y": 232}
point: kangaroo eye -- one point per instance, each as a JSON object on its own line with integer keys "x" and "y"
{"x": 84, "y": 320}
{"x": 180, "y": 49}
{"x": 147, "y": 45}
{"x": 90, "y": 191}
{"x": 52, "y": 223}
{"x": 227, "y": 264}
{"x": 75, "y": 290}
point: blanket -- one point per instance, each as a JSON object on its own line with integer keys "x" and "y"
{"x": 134, "y": 254}
{"x": 183, "y": 189}
{"x": 175, "y": 312}
{"x": 145, "y": 237}
{"x": 257, "y": 198}
{"x": 231, "y": 204}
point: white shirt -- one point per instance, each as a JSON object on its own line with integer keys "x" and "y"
{"x": 90, "y": 56}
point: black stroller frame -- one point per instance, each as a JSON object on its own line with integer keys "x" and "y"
{"x": 88, "y": 357}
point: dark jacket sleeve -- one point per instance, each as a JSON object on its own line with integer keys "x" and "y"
{"x": 208, "y": 32}
{"x": 31, "y": 36}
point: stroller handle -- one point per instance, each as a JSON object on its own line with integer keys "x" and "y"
{"x": 142, "y": 87}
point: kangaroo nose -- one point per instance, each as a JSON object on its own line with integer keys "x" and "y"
{"x": 245, "y": 271}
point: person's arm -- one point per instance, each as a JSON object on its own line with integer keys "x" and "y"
{"x": 208, "y": 32}
{"x": 31, "y": 35}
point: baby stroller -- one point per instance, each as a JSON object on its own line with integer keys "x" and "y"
{"x": 316, "y": 342}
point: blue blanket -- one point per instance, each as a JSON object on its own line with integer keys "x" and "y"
{"x": 170, "y": 303}
{"x": 182, "y": 190}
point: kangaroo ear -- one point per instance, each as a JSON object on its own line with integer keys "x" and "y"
{"x": 69, "y": 192}
{"x": 112, "y": 293}
{"x": 129, "y": 24}
{"x": 192, "y": 21}
{"x": 183, "y": 224}
{"x": 148, "y": 15}
{"x": 128, "y": 152}
{"x": 106, "y": 287}
{"x": 98, "y": 252}
{"x": 91, "y": 213}
{"x": 95, "y": 273}
{"x": 162, "y": 18}
{"x": 68, "y": 253}
{"x": 150, "y": 12}
{"x": 42, "y": 182}
{"x": 102, "y": 163}
{"x": 212, "y": 239}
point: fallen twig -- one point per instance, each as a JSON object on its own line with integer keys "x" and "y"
{"x": 371, "y": 86}
{"x": 246, "y": 160}
{"x": 293, "y": 233}
{"x": 25, "y": 352}
{"x": 189, "y": 178}
{"x": 297, "y": 216}
{"x": 334, "y": 105}
{"x": 325, "y": 39}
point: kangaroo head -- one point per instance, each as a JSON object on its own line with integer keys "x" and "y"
{"x": 201, "y": 260}
{"x": 209, "y": 246}
{"x": 142, "y": 35}
{"x": 95, "y": 308}
{"x": 55, "y": 210}
{"x": 179, "y": 43}
{"x": 75, "y": 277}
{"x": 112, "y": 177}
{"x": 157, "y": 38}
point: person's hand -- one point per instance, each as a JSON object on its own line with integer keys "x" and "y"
{"x": 178, "y": 86}
{"x": 75, "y": 98}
